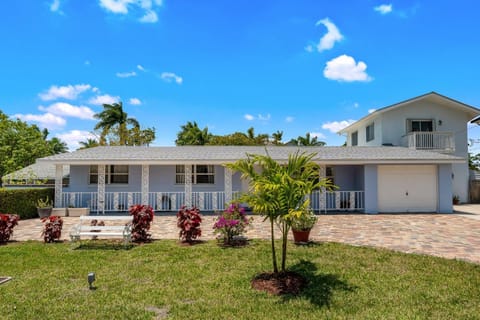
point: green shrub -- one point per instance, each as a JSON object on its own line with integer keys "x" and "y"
{"x": 23, "y": 202}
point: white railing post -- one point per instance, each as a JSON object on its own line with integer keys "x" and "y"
{"x": 58, "y": 185}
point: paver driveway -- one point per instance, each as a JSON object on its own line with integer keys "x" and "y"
{"x": 446, "y": 235}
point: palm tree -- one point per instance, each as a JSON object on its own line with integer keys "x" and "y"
{"x": 114, "y": 119}
{"x": 279, "y": 191}
{"x": 306, "y": 141}
{"x": 57, "y": 145}
{"x": 277, "y": 137}
{"x": 191, "y": 134}
{"x": 89, "y": 143}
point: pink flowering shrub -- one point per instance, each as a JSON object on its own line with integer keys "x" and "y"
{"x": 189, "y": 220}
{"x": 7, "y": 222}
{"x": 142, "y": 219}
{"x": 52, "y": 228}
{"x": 231, "y": 223}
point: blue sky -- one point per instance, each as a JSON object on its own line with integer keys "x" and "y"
{"x": 296, "y": 66}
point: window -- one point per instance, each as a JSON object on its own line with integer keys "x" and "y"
{"x": 114, "y": 174}
{"x": 329, "y": 174}
{"x": 415, "y": 125}
{"x": 201, "y": 174}
{"x": 354, "y": 138}
{"x": 370, "y": 132}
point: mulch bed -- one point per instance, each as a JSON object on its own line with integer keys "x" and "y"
{"x": 279, "y": 283}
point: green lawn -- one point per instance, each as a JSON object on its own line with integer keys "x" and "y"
{"x": 209, "y": 282}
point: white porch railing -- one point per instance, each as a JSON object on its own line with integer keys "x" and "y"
{"x": 160, "y": 201}
{"x": 433, "y": 141}
{"x": 337, "y": 201}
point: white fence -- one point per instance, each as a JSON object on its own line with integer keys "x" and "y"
{"x": 337, "y": 201}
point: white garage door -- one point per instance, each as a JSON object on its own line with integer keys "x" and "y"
{"x": 407, "y": 188}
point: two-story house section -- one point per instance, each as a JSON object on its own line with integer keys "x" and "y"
{"x": 430, "y": 122}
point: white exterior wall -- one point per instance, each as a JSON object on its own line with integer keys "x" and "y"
{"x": 395, "y": 123}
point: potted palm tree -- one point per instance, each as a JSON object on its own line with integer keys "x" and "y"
{"x": 44, "y": 207}
{"x": 302, "y": 224}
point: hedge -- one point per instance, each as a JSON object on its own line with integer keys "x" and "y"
{"x": 23, "y": 201}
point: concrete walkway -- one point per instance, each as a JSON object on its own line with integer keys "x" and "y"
{"x": 446, "y": 235}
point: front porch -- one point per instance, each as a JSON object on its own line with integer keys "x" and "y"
{"x": 321, "y": 202}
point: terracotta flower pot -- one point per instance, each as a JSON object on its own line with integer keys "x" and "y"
{"x": 301, "y": 236}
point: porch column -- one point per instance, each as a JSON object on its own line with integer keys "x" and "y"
{"x": 323, "y": 196}
{"x": 228, "y": 185}
{"x": 188, "y": 185}
{"x": 101, "y": 189}
{"x": 58, "y": 185}
{"x": 145, "y": 183}
{"x": 371, "y": 188}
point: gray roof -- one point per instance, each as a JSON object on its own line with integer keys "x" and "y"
{"x": 223, "y": 154}
{"x": 39, "y": 170}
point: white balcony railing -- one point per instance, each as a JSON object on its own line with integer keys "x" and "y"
{"x": 432, "y": 141}
{"x": 205, "y": 201}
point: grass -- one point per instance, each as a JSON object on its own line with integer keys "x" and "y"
{"x": 163, "y": 279}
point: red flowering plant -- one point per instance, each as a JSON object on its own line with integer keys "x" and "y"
{"x": 52, "y": 228}
{"x": 188, "y": 220}
{"x": 231, "y": 224}
{"x": 7, "y": 223}
{"x": 142, "y": 220}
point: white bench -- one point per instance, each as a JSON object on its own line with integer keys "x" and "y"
{"x": 115, "y": 226}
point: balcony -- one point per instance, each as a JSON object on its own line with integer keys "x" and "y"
{"x": 443, "y": 142}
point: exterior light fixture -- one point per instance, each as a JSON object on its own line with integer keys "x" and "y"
{"x": 91, "y": 279}
{"x": 440, "y": 122}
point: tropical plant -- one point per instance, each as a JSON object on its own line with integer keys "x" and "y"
{"x": 142, "y": 219}
{"x": 7, "y": 223}
{"x": 114, "y": 120}
{"x": 306, "y": 141}
{"x": 303, "y": 221}
{"x": 52, "y": 228}
{"x": 44, "y": 203}
{"x": 89, "y": 143}
{"x": 190, "y": 134}
{"x": 279, "y": 191}
{"x": 277, "y": 137}
{"x": 231, "y": 223}
{"x": 189, "y": 220}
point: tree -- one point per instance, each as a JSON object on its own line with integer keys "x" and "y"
{"x": 57, "y": 145}
{"x": 306, "y": 141}
{"x": 89, "y": 143}
{"x": 190, "y": 134}
{"x": 279, "y": 191}
{"x": 474, "y": 161}
{"x": 20, "y": 144}
{"x": 277, "y": 137}
{"x": 139, "y": 137}
{"x": 114, "y": 120}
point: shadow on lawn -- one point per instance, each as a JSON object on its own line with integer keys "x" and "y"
{"x": 320, "y": 287}
{"x": 103, "y": 245}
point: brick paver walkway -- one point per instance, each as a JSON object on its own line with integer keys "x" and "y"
{"x": 450, "y": 236}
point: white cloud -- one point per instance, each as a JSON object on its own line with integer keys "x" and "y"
{"x": 289, "y": 119}
{"x": 336, "y": 126}
{"x": 67, "y": 92}
{"x": 309, "y": 48}
{"x": 135, "y": 101}
{"x": 317, "y": 135}
{"x": 356, "y": 105}
{"x": 73, "y": 138}
{"x": 371, "y": 110}
{"x": 87, "y": 62}
{"x": 344, "y": 68}
{"x": 68, "y": 110}
{"x": 333, "y": 35}
{"x": 47, "y": 120}
{"x": 149, "y": 17}
{"x": 104, "y": 99}
{"x": 141, "y": 68}
{"x": 384, "y": 8}
{"x": 126, "y": 74}
{"x": 259, "y": 117}
{"x": 146, "y": 8}
{"x": 170, "y": 76}
{"x": 55, "y": 6}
